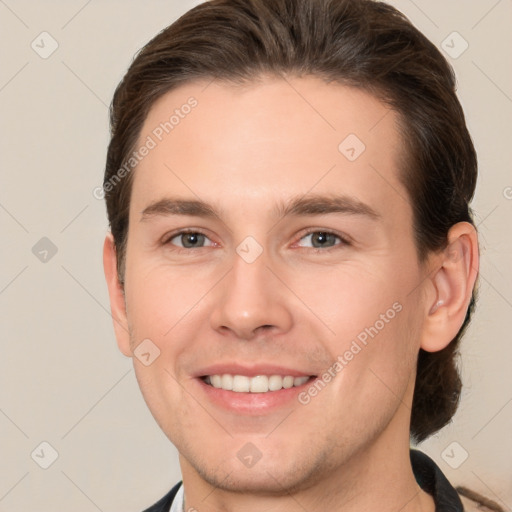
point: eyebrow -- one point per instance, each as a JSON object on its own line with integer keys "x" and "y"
{"x": 312, "y": 204}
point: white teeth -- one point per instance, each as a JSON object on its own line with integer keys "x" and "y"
{"x": 216, "y": 381}
{"x": 258, "y": 384}
{"x": 227, "y": 382}
{"x": 298, "y": 381}
{"x": 288, "y": 382}
{"x": 241, "y": 384}
{"x": 275, "y": 383}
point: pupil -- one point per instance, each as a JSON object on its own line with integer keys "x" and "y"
{"x": 321, "y": 238}
{"x": 191, "y": 239}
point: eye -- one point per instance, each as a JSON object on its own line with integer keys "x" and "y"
{"x": 320, "y": 240}
{"x": 189, "y": 239}
{"x": 323, "y": 239}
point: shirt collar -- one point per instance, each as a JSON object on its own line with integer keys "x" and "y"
{"x": 431, "y": 479}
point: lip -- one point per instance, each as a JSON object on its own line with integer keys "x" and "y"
{"x": 251, "y": 370}
{"x": 251, "y": 404}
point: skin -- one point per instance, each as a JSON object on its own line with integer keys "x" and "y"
{"x": 244, "y": 150}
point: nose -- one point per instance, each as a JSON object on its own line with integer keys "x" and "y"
{"x": 251, "y": 301}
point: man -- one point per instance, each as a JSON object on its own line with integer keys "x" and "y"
{"x": 292, "y": 255}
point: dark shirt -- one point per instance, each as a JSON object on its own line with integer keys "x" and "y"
{"x": 427, "y": 473}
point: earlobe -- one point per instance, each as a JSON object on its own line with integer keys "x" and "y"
{"x": 453, "y": 284}
{"x": 116, "y": 294}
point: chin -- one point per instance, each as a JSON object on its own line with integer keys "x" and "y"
{"x": 276, "y": 476}
{"x": 255, "y": 481}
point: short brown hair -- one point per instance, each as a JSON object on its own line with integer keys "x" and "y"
{"x": 362, "y": 43}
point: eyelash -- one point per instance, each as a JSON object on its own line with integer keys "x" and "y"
{"x": 344, "y": 241}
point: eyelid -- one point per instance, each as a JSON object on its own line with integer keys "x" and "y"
{"x": 345, "y": 240}
{"x": 169, "y": 236}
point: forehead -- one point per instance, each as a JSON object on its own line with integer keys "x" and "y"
{"x": 275, "y": 137}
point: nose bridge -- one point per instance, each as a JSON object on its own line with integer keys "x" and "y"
{"x": 250, "y": 296}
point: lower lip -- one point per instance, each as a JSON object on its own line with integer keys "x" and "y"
{"x": 252, "y": 403}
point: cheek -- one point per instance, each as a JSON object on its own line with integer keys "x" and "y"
{"x": 347, "y": 298}
{"x": 386, "y": 368}
{"x": 161, "y": 298}
{"x": 163, "y": 396}
{"x": 373, "y": 325}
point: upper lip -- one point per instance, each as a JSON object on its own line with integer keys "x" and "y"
{"x": 251, "y": 370}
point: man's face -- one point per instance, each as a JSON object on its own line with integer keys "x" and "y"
{"x": 257, "y": 292}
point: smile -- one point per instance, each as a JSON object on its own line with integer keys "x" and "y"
{"x": 256, "y": 384}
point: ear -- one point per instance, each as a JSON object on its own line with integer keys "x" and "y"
{"x": 453, "y": 282}
{"x": 116, "y": 293}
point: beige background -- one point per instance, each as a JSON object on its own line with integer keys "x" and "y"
{"x": 62, "y": 378}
